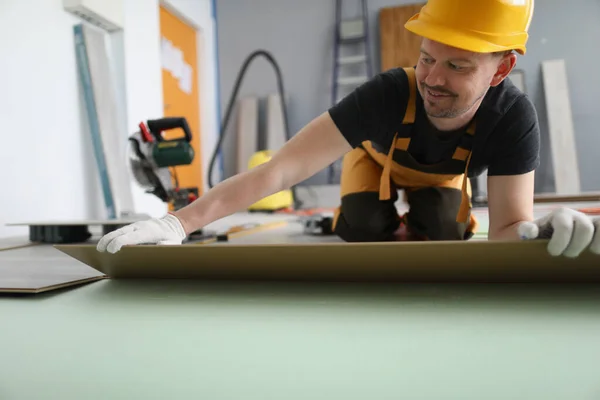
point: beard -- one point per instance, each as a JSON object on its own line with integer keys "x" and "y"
{"x": 435, "y": 109}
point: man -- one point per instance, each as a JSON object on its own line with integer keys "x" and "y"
{"x": 424, "y": 130}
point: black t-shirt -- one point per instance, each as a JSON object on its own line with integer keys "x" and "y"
{"x": 507, "y": 136}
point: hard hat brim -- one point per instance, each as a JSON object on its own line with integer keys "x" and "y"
{"x": 454, "y": 38}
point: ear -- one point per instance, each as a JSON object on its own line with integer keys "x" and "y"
{"x": 505, "y": 65}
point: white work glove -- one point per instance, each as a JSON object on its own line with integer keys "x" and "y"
{"x": 164, "y": 231}
{"x": 570, "y": 232}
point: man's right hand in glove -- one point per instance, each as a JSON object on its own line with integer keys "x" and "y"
{"x": 165, "y": 230}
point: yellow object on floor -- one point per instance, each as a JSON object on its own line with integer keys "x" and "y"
{"x": 276, "y": 201}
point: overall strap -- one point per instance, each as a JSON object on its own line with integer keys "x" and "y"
{"x": 465, "y": 203}
{"x": 399, "y": 143}
{"x": 411, "y": 107}
{"x": 464, "y": 149}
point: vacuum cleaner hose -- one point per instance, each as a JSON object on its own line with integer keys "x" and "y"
{"x": 233, "y": 99}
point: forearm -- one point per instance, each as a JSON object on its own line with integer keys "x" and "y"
{"x": 317, "y": 145}
{"x": 509, "y": 232}
{"x": 230, "y": 196}
{"x": 510, "y": 203}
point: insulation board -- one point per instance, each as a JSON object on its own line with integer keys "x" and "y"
{"x": 276, "y": 136}
{"x": 517, "y": 77}
{"x": 561, "y": 130}
{"x": 471, "y": 261}
{"x": 247, "y": 131}
{"x": 101, "y": 106}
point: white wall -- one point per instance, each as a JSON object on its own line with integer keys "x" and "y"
{"x": 143, "y": 80}
{"x": 47, "y": 169}
{"x": 45, "y": 166}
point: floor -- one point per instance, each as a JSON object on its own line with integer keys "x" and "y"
{"x": 189, "y": 339}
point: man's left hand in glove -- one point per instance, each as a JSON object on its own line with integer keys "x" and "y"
{"x": 570, "y": 232}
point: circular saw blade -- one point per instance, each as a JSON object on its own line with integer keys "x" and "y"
{"x": 141, "y": 168}
{"x": 154, "y": 180}
{"x": 141, "y": 173}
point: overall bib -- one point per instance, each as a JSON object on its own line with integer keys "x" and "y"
{"x": 438, "y": 195}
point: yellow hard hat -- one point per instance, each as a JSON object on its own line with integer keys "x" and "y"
{"x": 482, "y": 26}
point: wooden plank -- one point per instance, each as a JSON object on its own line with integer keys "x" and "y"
{"x": 399, "y": 47}
{"x": 567, "y": 198}
{"x": 247, "y": 131}
{"x": 583, "y": 197}
{"x": 471, "y": 261}
{"x": 560, "y": 126}
{"x": 387, "y": 35}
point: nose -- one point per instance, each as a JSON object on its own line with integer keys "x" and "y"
{"x": 435, "y": 76}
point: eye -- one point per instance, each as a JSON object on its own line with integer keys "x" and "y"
{"x": 426, "y": 60}
{"x": 455, "y": 67}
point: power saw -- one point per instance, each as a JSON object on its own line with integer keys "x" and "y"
{"x": 152, "y": 158}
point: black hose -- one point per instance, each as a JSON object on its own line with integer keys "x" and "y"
{"x": 232, "y": 100}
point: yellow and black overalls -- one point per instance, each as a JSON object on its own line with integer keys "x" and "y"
{"x": 438, "y": 195}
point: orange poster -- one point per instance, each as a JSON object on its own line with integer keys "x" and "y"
{"x": 180, "y": 89}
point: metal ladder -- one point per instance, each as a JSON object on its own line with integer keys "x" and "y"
{"x": 351, "y": 32}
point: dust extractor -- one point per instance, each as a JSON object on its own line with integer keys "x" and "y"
{"x": 281, "y": 200}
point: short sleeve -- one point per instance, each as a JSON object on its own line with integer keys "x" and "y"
{"x": 374, "y": 110}
{"x": 517, "y": 141}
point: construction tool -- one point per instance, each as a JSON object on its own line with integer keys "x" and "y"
{"x": 152, "y": 158}
{"x": 318, "y": 224}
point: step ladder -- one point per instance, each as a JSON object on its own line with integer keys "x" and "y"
{"x": 350, "y": 33}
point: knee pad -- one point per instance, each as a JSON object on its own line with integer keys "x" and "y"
{"x": 432, "y": 214}
{"x": 364, "y": 218}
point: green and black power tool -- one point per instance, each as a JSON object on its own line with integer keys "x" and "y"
{"x": 152, "y": 158}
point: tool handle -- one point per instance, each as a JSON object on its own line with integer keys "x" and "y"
{"x": 156, "y": 126}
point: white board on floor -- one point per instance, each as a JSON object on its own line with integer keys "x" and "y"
{"x": 276, "y": 136}
{"x": 482, "y": 191}
{"x": 247, "y": 131}
{"x": 517, "y": 77}
{"x": 560, "y": 127}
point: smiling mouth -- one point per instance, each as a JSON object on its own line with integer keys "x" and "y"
{"x": 437, "y": 94}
